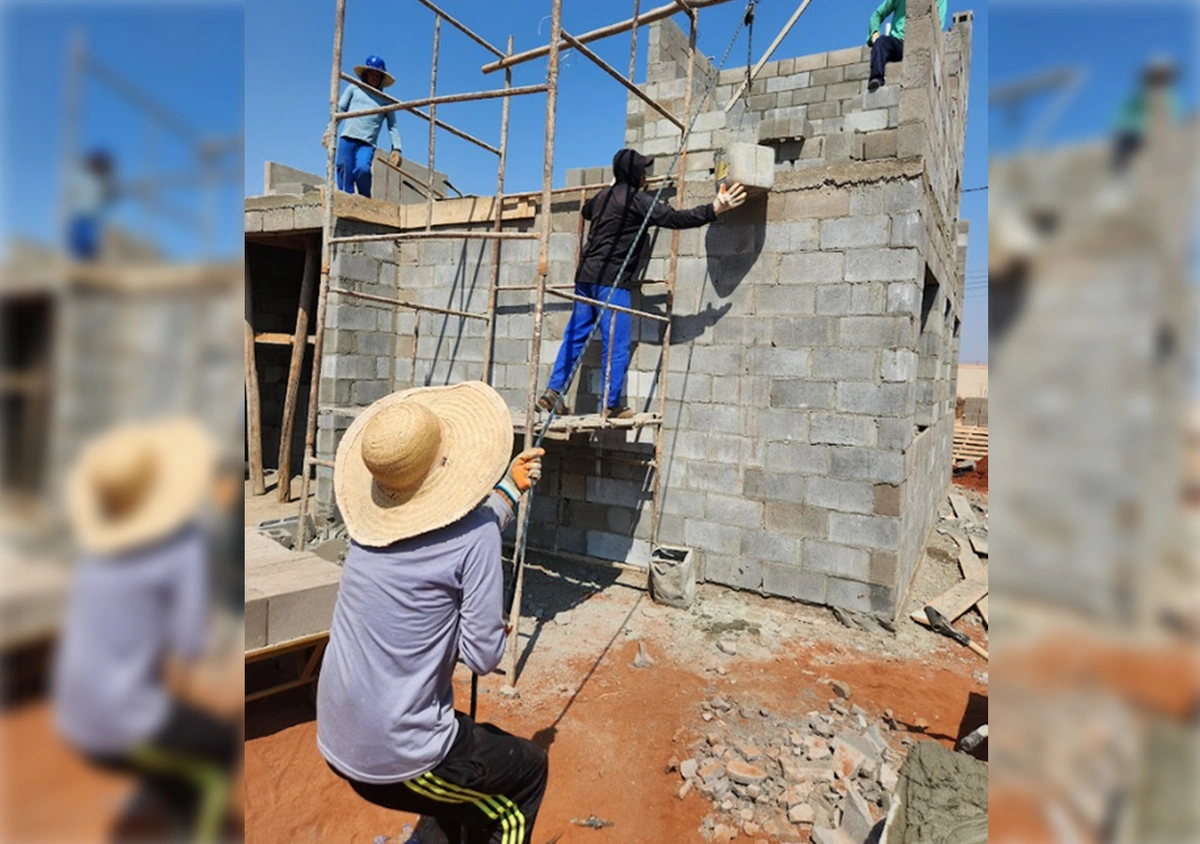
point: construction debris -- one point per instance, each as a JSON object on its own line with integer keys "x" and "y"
{"x": 592, "y": 822}
{"x": 828, "y": 775}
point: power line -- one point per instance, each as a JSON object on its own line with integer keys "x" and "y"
{"x": 973, "y": 190}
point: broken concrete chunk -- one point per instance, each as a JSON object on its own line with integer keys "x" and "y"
{"x": 745, "y": 773}
{"x": 841, "y": 689}
{"x": 801, "y": 813}
{"x": 688, "y": 768}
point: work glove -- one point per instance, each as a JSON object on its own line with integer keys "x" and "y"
{"x": 728, "y": 198}
{"x": 325, "y": 139}
{"x": 874, "y": 37}
{"x": 524, "y": 471}
{"x": 394, "y": 158}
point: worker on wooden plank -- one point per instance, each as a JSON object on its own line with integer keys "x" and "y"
{"x": 358, "y": 136}
{"x": 890, "y": 47}
{"x": 425, "y": 485}
{"x": 616, "y": 214}
{"x": 91, "y": 193}
{"x": 137, "y": 617}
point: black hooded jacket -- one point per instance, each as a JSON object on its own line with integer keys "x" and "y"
{"x": 616, "y": 214}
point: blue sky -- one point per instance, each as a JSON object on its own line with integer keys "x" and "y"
{"x": 186, "y": 55}
{"x": 288, "y": 53}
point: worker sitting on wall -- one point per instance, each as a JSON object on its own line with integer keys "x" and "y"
{"x": 890, "y": 47}
{"x": 421, "y": 482}
{"x": 616, "y": 215}
{"x": 358, "y": 136}
{"x": 1134, "y": 116}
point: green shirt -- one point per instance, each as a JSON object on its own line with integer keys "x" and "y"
{"x": 897, "y": 8}
{"x": 1133, "y": 114}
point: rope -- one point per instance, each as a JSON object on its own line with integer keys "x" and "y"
{"x": 747, "y": 20}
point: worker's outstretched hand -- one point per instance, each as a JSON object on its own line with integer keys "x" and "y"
{"x": 526, "y": 469}
{"x": 394, "y": 158}
{"x": 325, "y": 139}
{"x": 874, "y": 37}
{"x": 729, "y": 198}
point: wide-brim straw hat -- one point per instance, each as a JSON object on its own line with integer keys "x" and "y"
{"x": 421, "y": 459}
{"x": 388, "y": 79}
{"x": 138, "y": 483}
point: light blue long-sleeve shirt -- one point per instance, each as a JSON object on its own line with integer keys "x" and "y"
{"x": 385, "y": 699}
{"x": 367, "y": 127}
{"x": 124, "y": 616}
{"x": 898, "y": 9}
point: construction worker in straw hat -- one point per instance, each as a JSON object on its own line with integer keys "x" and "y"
{"x": 616, "y": 215}
{"x": 425, "y": 485}
{"x": 138, "y": 608}
{"x": 358, "y": 136}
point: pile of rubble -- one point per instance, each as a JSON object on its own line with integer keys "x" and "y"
{"x": 829, "y": 775}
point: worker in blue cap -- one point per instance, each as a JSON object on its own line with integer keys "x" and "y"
{"x": 357, "y": 136}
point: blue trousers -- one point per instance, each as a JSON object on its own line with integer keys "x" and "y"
{"x": 83, "y": 237}
{"x": 885, "y": 49}
{"x": 353, "y": 165}
{"x": 583, "y": 317}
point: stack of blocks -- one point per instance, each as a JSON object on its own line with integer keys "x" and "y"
{"x": 809, "y": 414}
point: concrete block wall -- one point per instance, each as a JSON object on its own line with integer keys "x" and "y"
{"x": 795, "y": 460}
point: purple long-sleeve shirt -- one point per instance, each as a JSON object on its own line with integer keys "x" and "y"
{"x": 385, "y": 699}
{"x": 125, "y": 614}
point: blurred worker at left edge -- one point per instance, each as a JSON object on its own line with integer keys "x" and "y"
{"x": 137, "y": 622}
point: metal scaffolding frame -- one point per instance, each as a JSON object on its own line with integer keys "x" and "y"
{"x": 559, "y": 41}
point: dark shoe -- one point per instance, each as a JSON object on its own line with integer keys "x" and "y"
{"x": 622, "y": 412}
{"x": 551, "y": 402}
{"x": 874, "y": 85}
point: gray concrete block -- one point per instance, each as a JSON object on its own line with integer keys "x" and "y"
{"x": 882, "y": 264}
{"x": 856, "y": 232}
{"x": 878, "y": 331}
{"x": 812, "y": 268}
{"x": 770, "y": 546}
{"x": 800, "y": 458}
{"x": 802, "y": 394}
{"x": 348, "y": 366}
{"x": 300, "y": 596}
{"x": 880, "y": 532}
{"x": 363, "y": 393}
{"x": 781, "y": 425}
{"x": 833, "y": 299}
{"x": 841, "y": 496}
{"x": 907, "y": 229}
{"x": 904, "y": 298}
{"x": 887, "y": 197}
{"x": 775, "y": 361}
{"x": 841, "y": 429}
{"x": 255, "y": 618}
{"x": 835, "y": 559}
{"x": 803, "y": 331}
{"x": 837, "y": 364}
{"x": 874, "y": 399}
{"x": 885, "y": 97}
{"x": 898, "y": 365}
{"x": 784, "y": 299}
{"x": 735, "y": 511}
{"x": 813, "y": 62}
{"x": 866, "y": 121}
{"x": 751, "y": 165}
{"x": 861, "y": 597}
{"x": 791, "y": 236}
{"x": 895, "y": 434}
{"x": 790, "y": 581}
{"x": 826, "y": 76}
{"x": 712, "y": 539}
{"x": 618, "y": 548}
{"x": 735, "y": 571}
{"x": 869, "y": 464}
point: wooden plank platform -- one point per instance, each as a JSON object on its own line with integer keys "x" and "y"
{"x": 566, "y": 427}
{"x": 970, "y": 443}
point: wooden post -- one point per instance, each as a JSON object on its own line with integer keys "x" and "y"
{"x": 312, "y": 266}
{"x": 497, "y": 225}
{"x": 535, "y": 353}
{"x": 253, "y": 407}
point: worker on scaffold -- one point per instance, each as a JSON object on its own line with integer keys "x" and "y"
{"x": 616, "y": 215}
{"x": 358, "y": 136}
{"x": 889, "y": 47}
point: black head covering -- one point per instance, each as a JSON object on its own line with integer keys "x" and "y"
{"x": 630, "y": 166}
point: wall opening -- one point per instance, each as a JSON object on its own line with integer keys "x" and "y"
{"x": 27, "y": 329}
{"x": 929, "y": 348}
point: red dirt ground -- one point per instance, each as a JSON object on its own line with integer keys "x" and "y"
{"x": 607, "y": 746}
{"x": 977, "y": 480}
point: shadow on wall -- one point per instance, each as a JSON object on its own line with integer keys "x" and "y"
{"x": 470, "y": 278}
{"x": 732, "y": 247}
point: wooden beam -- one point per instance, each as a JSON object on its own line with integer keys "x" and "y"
{"x": 956, "y": 600}
{"x": 253, "y": 406}
{"x": 300, "y": 340}
{"x": 276, "y": 338}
